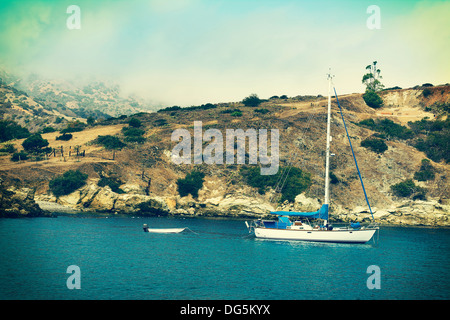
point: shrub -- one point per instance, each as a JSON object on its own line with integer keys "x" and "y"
{"x": 426, "y": 171}
{"x": 11, "y": 130}
{"x": 375, "y": 144}
{"x": 134, "y": 122}
{"x": 251, "y": 101}
{"x": 392, "y": 88}
{"x": 34, "y": 143}
{"x": 230, "y": 111}
{"x": 370, "y": 123}
{"x": 262, "y": 111}
{"x": 8, "y": 148}
{"x": 137, "y": 139}
{"x": 296, "y": 182}
{"x": 160, "y": 122}
{"x": 424, "y": 126}
{"x": 191, "y": 184}
{"x": 90, "y": 121}
{"x": 48, "y": 129}
{"x": 19, "y": 156}
{"x": 393, "y": 129}
{"x": 67, "y": 183}
{"x": 372, "y": 99}
{"x": 426, "y": 92}
{"x": 436, "y": 146}
{"x": 113, "y": 183}
{"x": 64, "y": 137}
{"x": 237, "y": 114}
{"x": 407, "y": 189}
{"x": 333, "y": 178}
{"x": 173, "y": 108}
{"x": 110, "y": 142}
{"x": 132, "y": 132}
{"x": 388, "y": 127}
{"x": 74, "y": 126}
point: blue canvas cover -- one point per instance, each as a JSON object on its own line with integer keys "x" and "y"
{"x": 322, "y": 213}
{"x": 355, "y": 225}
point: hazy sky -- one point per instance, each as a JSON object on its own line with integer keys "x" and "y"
{"x": 189, "y": 52}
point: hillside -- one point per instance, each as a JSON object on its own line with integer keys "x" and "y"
{"x": 148, "y": 178}
{"x": 33, "y": 95}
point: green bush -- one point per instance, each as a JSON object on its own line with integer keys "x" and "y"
{"x": 425, "y": 126}
{"x": 11, "y": 130}
{"x": 34, "y": 143}
{"x": 262, "y": 111}
{"x": 173, "y": 108}
{"x": 372, "y": 99}
{"x": 251, "y": 101}
{"x": 110, "y": 142}
{"x": 230, "y": 111}
{"x": 8, "y": 148}
{"x": 132, "y": 132}
{"x": 296, "y": 182}
{"x": 134, "y": 122}
{"x": 408, "y": 189}
{"x": 48, "y": 129}
{"x": 426, "y": 171}
{"x": 388, "y": 127}
{"x": 426, "y": 92}
{"x": 436, "y": 146}
{"x": 237, "y": 114}
{"x": 160, "y": 122}
{"x": 191, "y": 184}
{"x": 375, "y": 144}
{"x": 64, "y": 137}
{"x": 67, "y": 183}
{"x": 333, "y": 178}
{"x": 113, "y": 183}
{"x": 136, "y": 139}
{"x": 19, "y": 156}
{"x": 90, "y": 121}
{"x": 369, "y": 123}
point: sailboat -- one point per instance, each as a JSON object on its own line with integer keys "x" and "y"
{"x": 285, "y": 229}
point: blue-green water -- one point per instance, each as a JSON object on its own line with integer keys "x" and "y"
{"x": 117, "y": 260}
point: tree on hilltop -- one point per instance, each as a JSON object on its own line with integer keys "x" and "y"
{"x": 372, "y": 79}
{"x": 373, "y": 84}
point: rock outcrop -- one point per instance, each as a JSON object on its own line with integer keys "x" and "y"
{"x": 19, "y": 202}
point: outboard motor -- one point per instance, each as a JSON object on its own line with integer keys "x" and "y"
{"x": 145, "y": 227}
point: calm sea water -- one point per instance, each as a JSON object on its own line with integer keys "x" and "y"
{"x": 117, "y": 260}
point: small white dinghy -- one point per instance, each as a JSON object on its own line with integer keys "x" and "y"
{"x": 163, "y": 230}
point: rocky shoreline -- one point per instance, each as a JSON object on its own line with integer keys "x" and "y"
{"x": 19, "y": 202}
{"x": 92, "y": 199}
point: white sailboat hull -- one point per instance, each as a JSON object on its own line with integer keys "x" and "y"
{"x": 346, "y": 236}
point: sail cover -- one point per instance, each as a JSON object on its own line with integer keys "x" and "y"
{"x": 322, "y": 213}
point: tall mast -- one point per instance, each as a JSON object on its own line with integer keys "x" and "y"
{"x": 327, "y": 165}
